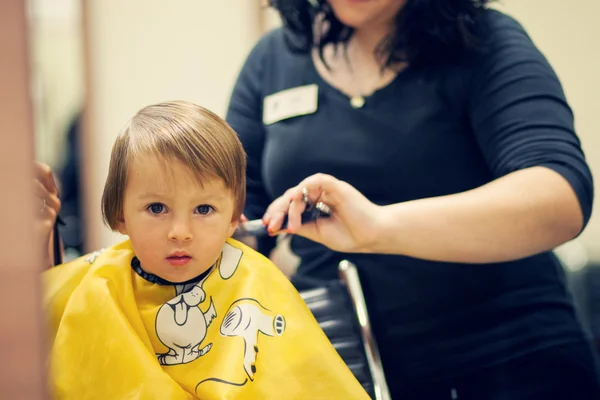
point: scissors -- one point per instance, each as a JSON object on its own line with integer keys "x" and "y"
{"x": 311, "y": 213}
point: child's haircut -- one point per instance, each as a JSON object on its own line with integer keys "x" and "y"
{"x": 179, "y": 131}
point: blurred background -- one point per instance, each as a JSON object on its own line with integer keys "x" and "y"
{"x": 113, "y": 57}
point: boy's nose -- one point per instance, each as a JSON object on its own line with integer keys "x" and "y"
{"x": 180, "y": 231}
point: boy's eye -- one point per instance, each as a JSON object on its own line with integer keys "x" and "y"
{"x": 204, "y": 209}
{"x": 156, "y": 208}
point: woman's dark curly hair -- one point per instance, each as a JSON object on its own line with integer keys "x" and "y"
{"x": 427, "y": 31}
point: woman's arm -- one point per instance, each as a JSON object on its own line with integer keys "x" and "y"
{"x": 543, "y": 192}
{"x": 521, "y": 214}
{"x": 541, "y": 197}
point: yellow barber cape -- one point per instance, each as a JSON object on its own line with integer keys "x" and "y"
{"x": 242, "y": 332}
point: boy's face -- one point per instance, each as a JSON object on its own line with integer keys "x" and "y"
{"x": 177, "y": 227}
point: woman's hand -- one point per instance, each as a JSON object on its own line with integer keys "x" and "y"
{"x": 352, "y": 226}
{"x": 47, "y": 206}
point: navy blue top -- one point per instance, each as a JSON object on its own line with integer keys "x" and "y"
{"x": 430, "y": 132}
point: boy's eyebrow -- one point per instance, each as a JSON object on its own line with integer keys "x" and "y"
{"x": 145, "y": 195}
{"x": 203, "y": 197}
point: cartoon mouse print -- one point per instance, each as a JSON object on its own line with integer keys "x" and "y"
{"x": 181, "y": 325}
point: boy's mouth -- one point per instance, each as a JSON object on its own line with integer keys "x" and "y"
{"x": 179, "y": 258}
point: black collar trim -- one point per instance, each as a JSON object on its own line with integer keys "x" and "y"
{"x": 137, "y": 267}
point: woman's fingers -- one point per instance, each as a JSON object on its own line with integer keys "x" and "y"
{"x": 292, "y": 203}
{"x": 323, "y": 187}
{"x": 46, "y": 207}
{"x": 43, "y": 173}
{"x": 48, "y": 217}
{"x": 295, "y": 210}
{"x": 277, "y": 207}
{"x": 280, "y": 209}
{"x": 46, "y": 191}
{"x": 274, "y": 225}
{"x": 46, "y": 199}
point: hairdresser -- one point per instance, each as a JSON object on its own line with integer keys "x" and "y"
{"x": 457, "y": 170}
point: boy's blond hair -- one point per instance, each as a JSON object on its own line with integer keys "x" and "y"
{"x": 179, "y": 131}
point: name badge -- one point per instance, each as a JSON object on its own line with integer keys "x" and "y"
{"x": 301, "y": 100}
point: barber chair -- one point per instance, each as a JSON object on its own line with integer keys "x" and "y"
{"x": 340, "y": 309}
{"x": 583, "y": 279}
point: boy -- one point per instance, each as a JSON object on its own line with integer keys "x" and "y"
{"x": 180, "y": 310}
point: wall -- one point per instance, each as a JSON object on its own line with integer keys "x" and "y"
{"x": 145, "y": 51}
{"x": 57, "y": 74}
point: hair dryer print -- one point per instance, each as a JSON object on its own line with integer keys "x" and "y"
{"x": 246, "y": 318}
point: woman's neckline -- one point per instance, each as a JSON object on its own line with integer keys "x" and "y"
{"x": 313, "y": 59}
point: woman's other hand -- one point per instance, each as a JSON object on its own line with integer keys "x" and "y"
{"x": 47, "y": 207}
{"x": 352, "y": 226}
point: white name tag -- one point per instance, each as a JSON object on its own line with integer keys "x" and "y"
{"x": 301, "y": 100}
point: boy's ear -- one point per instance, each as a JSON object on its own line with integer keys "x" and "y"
{"x": 232, "y": 227}
{"x": 120, "y": 227}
